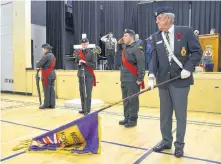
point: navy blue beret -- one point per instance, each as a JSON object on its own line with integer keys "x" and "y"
{"x": 163, "y": 9}
{"x": 84, "y": 40}
{"x": 129, "y": 31}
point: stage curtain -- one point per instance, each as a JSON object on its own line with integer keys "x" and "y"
{"x": 55, "y": 30}
{"x": 146, "y": 20}
{"x": 206, "y": 15}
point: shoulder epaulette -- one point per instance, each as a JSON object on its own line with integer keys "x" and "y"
{"x": 140, "y": 47}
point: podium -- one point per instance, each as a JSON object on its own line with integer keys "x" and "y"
{"x": 211, "y": 45}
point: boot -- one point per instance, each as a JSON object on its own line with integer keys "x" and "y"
{"x": 123, "y": 122}
{"x": 130, "y": 124}
{"x": 42, "y": 107}
{"x": 81, "y": 112}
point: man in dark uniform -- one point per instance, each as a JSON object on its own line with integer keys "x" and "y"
{"x": 86, "y": 60}
{"x": 47, "y": 64}
{"x": 175, "y": 52}
{"x": 132, "y": 75}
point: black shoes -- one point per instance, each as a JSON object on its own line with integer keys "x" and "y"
{"x": 128, "y": 123}
{"x": 161, "y": 147}
{"x": 44, "y": 107}
{"x": 178, "y": 153}
{"x": 123, "y": 122}
{"x": 82, "y": 112}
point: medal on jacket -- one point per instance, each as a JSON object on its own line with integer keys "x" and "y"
{"x": 183, "y": 51}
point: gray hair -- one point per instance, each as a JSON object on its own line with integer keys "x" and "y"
{"x": 171, "y": 15}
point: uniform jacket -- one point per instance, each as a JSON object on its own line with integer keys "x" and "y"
{"x": 187, "y": 49}
{"x": 90, "y": 61}
{"x": 135, "y": 55}
{"x": 46, "y": 62}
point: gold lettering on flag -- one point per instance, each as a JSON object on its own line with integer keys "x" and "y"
{"x": 72, "y": 138}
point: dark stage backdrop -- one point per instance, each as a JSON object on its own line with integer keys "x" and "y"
{"x": 206, "y": 15}
{"x": 146, "y": 20}
{"x": 55, "y": 30}
{"x": 96, "y": 18}
{"x": 101, "y": 17}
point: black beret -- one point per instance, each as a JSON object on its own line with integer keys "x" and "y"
{"x": 163, "y": 9}
{"x": 46, "y": 45}
{"x": 84, "y": 40}
{"x": 129, "y": 31}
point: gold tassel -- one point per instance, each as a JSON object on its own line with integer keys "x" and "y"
{"x": 23, "y": 144}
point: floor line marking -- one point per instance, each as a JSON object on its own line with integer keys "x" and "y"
{"x": 124, "y": 145}
{"x": 194, "y": 158}
{"x": 139, "y": 160}
{"x": 36, "y": 118}
{"x": 140, "y": 116}
{"x": 20, "y": 138}
{"x": 12, "y": 156}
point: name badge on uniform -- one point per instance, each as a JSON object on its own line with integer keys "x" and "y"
{"x": 183, "y": 51}
{"x": 159, "y": 42}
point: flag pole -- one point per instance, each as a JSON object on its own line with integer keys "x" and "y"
{"x": 85, "y": 90}
{"x": 38, "y": 86}
{"x": 137, "y": 94}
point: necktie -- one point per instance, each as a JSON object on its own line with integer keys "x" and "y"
{"x": 168, "y": 39}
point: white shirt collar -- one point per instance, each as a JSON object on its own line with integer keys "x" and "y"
{"x": 171, "y": 29}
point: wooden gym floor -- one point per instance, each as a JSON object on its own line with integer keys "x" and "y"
{"x": 21, "y": 119}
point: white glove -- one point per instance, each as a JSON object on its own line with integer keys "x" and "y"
{"x": 185, "y": 74}
{"x": 81, "y": 61}
{"x": 150, "y": 82}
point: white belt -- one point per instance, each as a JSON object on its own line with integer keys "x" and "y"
{"x": 171, "y": 53}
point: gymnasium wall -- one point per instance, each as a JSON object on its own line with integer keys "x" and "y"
{"x": 205, "y": 95}
{"x": 21, "y": 35}
{"x": 7, "y": 74}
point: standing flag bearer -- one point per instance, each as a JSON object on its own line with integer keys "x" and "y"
{"x": 47, "y": 64}
{"x": 86, "y": 59}
{"x": 175, "y": 52}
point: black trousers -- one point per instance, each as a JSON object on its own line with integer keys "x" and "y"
{"x": 85, "y": 93}
{"x": 110, "y": 59}
{"x": 49, "y": 93}
{"x": 131, "y": 106}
